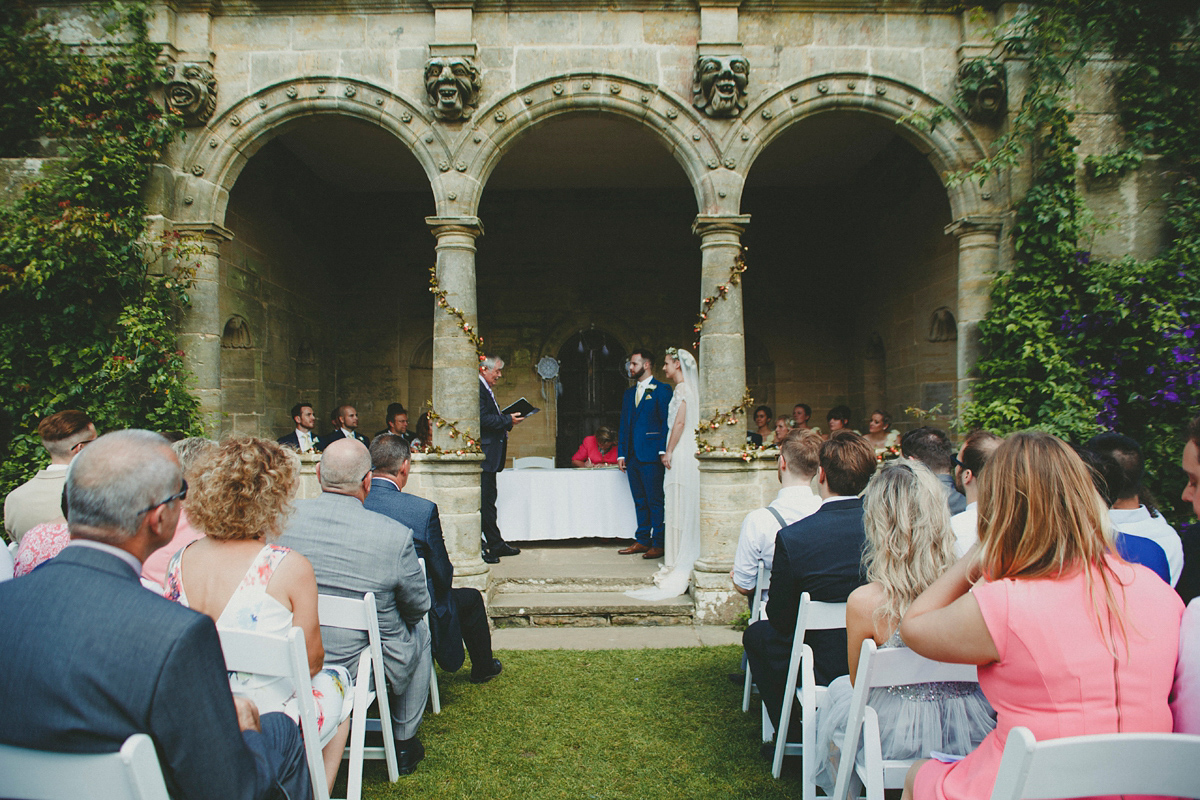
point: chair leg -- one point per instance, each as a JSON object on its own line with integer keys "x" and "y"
{"x": 435, "y": 696}
{"x": 746, "y": 691}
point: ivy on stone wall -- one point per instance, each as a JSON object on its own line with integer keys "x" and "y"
{"x": 1073, "y": 344}
{"x": 88, "y": 314}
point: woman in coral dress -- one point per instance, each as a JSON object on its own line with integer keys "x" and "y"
{"x": 1069, "y": 638}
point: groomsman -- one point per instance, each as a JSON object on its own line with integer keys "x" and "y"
{"x": 302, "y": 439}
{"x": 642, "y": 441}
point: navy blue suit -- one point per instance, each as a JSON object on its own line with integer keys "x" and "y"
{"x": 293, "y": 441}
{"x": 643, "y": 437}
{"x": 326, "y": 439}
{"x": 493, "y": 439}
{"x": 456, "y": 615}
{"x": 90, "y": 657}
{"x": 822, "y": 555}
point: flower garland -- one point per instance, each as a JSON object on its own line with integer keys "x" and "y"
{"x": 437, "y": 291}
{"x": 470, "y": 443}
{"x": 735, "y": 277}
{"x": 747, "y": 452}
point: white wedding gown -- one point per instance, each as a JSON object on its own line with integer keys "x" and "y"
{"x": 681, "y": 490}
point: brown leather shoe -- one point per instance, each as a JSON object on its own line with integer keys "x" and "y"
{"x": 636, "y": 547}
{"x": 654, "y": 552}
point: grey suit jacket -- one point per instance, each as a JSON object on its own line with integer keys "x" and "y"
{"x": 354, "y": 551}
{"x": 89, "y": 657}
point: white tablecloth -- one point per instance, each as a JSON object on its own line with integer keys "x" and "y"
{"x": 537, "y": 504}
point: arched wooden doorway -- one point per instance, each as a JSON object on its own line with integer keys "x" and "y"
{"x": 591, "y": 383}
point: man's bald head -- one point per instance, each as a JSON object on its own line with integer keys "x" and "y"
{"x": 343, "y": 466}
{"x": 115, "y": 479}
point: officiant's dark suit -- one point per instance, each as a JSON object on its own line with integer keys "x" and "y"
{"x": 642, "y": 440}
{"x": 493, "y": 439}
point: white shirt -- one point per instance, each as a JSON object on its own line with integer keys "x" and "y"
{"x": 837, "y": 498}
{"x": 349, "y": 434}
{"x": 641, "y": 388}
{"x": 304, "y": 439}
{"x": 759, "y": 528}
{"x": 965, "y": 525}
{"x": 1138, "y": 522}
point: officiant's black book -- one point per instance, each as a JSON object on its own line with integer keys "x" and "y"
{"x": 522, "y": 407}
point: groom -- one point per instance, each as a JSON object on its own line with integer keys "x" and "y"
{"x": 642, "y": 442}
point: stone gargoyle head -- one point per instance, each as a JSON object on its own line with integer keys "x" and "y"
{"x": 983, "y": 90}
{"x": 719, "y": 89}
{"x": 452, "y": 85}
{"x": 191, "y": 91}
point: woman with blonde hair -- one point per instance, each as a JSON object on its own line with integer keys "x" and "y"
{"x": 1069, "y": 638}
{"x": 240, "y": 498}
{"x": 909, "y": 545}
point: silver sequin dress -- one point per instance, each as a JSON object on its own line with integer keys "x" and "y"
{"x": 913, "y": 720}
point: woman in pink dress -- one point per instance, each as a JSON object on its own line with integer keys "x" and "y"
{"x": 597, "y": 451}
{"x": 1069, "y": 638}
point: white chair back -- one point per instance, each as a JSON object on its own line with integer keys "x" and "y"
{"x": 892, "y": 666}
{"x": 435, "y": 694}
{"x": 132, "y": 773}
{"x": 802, "y": 685}
{"x": 533, "y": 462}
{"x": 762, "y": 584}
{"x": 353, "y": 614}
{"x": 1159, "y": 764}
{"x": 283, "y": 657}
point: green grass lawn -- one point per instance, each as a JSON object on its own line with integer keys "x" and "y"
{"x": 655, "y": 724}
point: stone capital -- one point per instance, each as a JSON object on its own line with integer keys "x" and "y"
{"x": 976, "y": 224}
{"x": 438, "y": 4}
{"x": 463, "y": 226}
{"x": 706, "y": 224}
{"x": 208, "y": 231}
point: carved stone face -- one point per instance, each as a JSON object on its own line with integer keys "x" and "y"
{"x": 720, "y": 86}
{"x": 983, "y": 86}
{"x": 452, "y": 87}
{"x": 191, "y": 90}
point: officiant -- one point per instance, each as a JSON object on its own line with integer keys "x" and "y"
{"x": 494, "y": 426}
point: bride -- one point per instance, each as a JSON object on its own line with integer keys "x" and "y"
{"x": 681, "y": 486}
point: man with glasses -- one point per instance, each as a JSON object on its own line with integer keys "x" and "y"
{"x": 39, "y": 499}
{"x": 933, "y": 449}
{"x": 93, "y": 658}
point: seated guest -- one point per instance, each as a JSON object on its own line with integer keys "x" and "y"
{"x": 94, "y": 658}
{"x": 39, "y": 499}
{"x": 1189, "y": 579}
{"x": 1185, "y": 696}
{"x": 783, "y": 428}
{"x": 838, "y": 419}
{"x": 302, "y": 439}
{"x": 423, "y": 436}
{"x": 932, "y": 448}
{"x": 190, "y": 452}
{"x": 458, "y": 615}
{"x": 797, "y": 465}
{"x": 1069, "y": 638}
{"x": 763, "y": 416}
{"x": 976, "y": 450}
{"x": 909, "y": 544}
{"x": 345, "y": 422}
{"x": 801, "y": 413}
{"x": 880, "y": 434}
{"x": 597, "y": 451}
{"x": 236, "y": 576}
{"x": 40, "y": 544}
{"x": 822, "y": 555}
{"x": 1133, "y": 510}
{"x": 354, "y": 551}
{"x": 397, "y": 423}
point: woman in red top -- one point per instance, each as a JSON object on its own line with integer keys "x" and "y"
{"x": 597, "y": 451}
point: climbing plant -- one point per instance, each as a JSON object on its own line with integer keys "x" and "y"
{"x": 88, "y": 309}
{"x": 1075, "y": 344}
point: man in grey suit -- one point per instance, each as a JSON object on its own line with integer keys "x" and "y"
{"x": 458, "y": 616}
{"x": 354, "y": 551}
{"x": 89, "y": 657}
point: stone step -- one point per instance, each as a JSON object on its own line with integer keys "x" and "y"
{"x": 519, "y": 609}
{"x": 590, "y": 565}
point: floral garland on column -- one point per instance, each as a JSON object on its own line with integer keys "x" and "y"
{"x": 735, "y": 277}
{"x": 470, "y": 443}
{"x": 747, "y": 451}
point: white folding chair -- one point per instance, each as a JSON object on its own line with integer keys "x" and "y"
{"x": 353, "y": 614}
{"x": 756, "y": 613}
{"x": 892, "y": 666}
{"x": 812, "y": 616}
{"x": 533, "y": 462}
{"x": 1159, "y": 764}
{"x": 12, "y": 548}
{"x": 283, "y": 657}
{"x": 435, "y": 696}
{"x": 131, "y": 773}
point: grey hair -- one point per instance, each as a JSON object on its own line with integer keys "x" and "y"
{"x": 388, "y": 453}
{"x": 909, "y": 539}
{"x": 344, "y": 464}
{"x": 491, "y": 362}
{"x": 115, "y": 479}
{"x": 190, "y": 451}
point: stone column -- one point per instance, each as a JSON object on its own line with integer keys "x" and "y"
{"x": 452, "y": 481}
{"x": 728, "y": 490}
{"x": 200, "y": 328}
{"x": 978, "y": 260}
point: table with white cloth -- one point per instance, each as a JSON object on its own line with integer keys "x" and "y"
{"x": 539, "y": 504}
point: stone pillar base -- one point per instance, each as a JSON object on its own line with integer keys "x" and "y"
{"x": 452, "y": 481}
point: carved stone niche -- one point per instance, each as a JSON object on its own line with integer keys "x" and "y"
{"x": 191, "y": 91}
{"x": 983, "y": 88}
{"x": 452, "y": 85}
{"x": 236, "y": 335}
{"x": 942, "y": 325}
{"x": 719, "y": 88}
